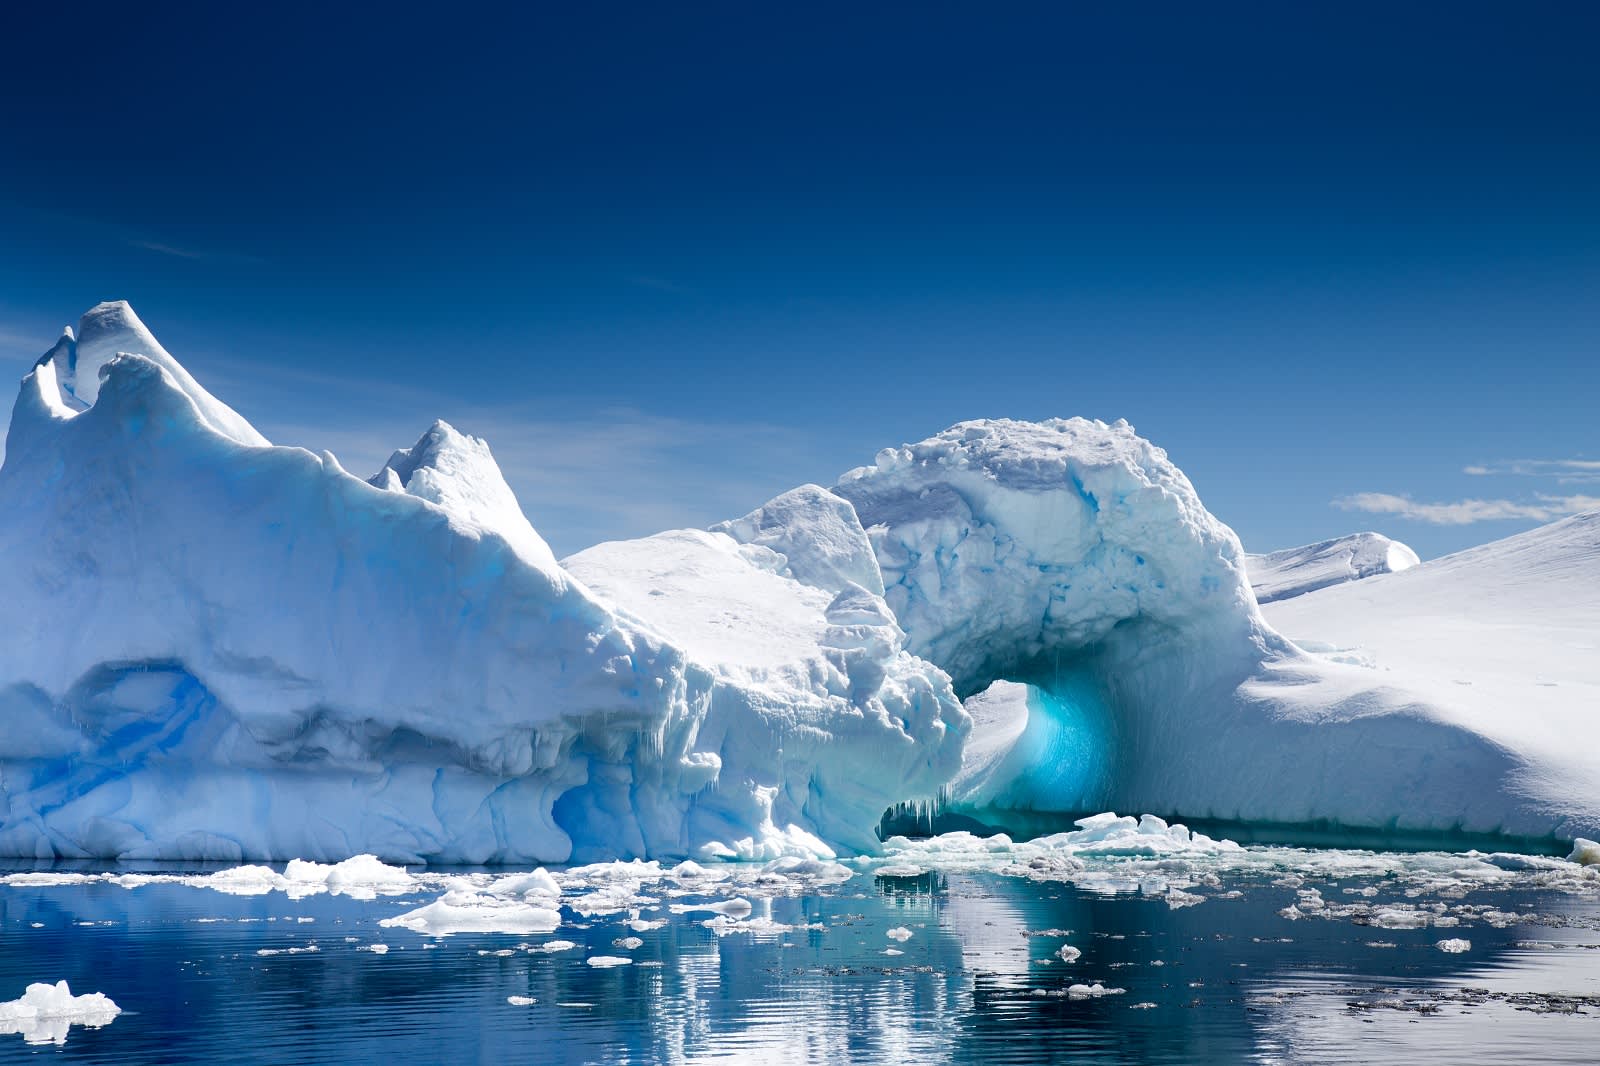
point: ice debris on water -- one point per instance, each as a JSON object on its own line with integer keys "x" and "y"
{"x": 44, "y": 1013}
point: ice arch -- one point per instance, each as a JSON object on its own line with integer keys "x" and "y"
{"x": 1074, "y": 556}
{"x": 1007, "y": 545}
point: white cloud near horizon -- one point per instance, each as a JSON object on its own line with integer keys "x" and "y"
{"x": 1564, "y": 470}
{"x": 1542, "y": 508}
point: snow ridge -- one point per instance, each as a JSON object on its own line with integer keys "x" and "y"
{"x": 1291, "y": 572}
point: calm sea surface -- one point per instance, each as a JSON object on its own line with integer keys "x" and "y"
{"x": 979, "y": 978}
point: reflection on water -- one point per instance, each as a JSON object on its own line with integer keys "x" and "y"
{"x": 204, "y": 977}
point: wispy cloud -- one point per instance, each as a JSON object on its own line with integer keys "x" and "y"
{"x": 21, "y": 341}
{"x": 1561, "y": 469}
{"x": 1541, "y": 508}
{"x": 194, "y": 254}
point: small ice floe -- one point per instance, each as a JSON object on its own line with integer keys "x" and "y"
{"x": 900, "y": 933}
{"x": 899, "y": 869}
{"x": 1454, "y": 946}
{"x": 1094, "y": 991}
{"x": 552, "y": 946}
{"x": 309, "y": 949}
{"x": 376, "y": 949}
{"x": 604, "y": 962}
{"x": 737, "y": 907}
{"x": 359, "y": 877}
{"x": 1068, "y": 953}
{"x": 1585, "y": 852}
{"x": 538, "y": 883}
{"x": 645, "y": 925}
{"x": 627, "y": 943}
{"x": 45, "y": 1013}
{"x": 893, "y": 951}
{"x": 760, "y": 925}
{"x": 521, "y": 1001}
{"x": 465, "y": 911}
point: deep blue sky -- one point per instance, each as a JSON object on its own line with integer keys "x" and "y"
{"x": 672, "y": 259}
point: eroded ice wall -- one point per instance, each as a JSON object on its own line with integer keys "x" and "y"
{"x": 216, "y": 648}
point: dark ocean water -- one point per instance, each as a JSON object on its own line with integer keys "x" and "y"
{"x": 1230, "y": 980}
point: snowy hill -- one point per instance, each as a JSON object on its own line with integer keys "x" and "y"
{"x": 1503, "y": 639}
{"x": 1281, "y": 575}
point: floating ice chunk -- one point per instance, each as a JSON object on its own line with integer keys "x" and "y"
{"x": 900, "y": 933}
{"x": 761, "y": 925}
{"x": 360, "y": 877}
{"x": 1178, "y": 899}
{"x": 538, "y": 883}
{"x": 607, "y": 961}
{"x": 689, "y": 870}
{"x": 309, "y": 949}
{"x": 1585, "y": 852}
{"x": 893, "y": 951}
{"x": 551, "y": 946}
{"x": 1094, "y": 991}
{"x": 899, "y": 869}
{"x": 735, "y": 907}
{"x": 45, "y": 879}
{"x": 1068, "y": 953}
{"x": 242, "y": 881}
{"x": 45, "y": 1012}
{"x": 376, "y": 949}
{"x": 628, "y": 943}
{"x": 521, "y": 1001}
{"x": 1454, "y": 946}
{"x": 472, "y": 912}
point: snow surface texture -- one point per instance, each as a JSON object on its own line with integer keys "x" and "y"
{"x": 1291, "y": 572}
{"x": 219, "y": 649}
{"x": 1072, "y": 559}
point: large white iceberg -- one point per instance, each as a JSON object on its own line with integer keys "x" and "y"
{"x": 220, "y": 649}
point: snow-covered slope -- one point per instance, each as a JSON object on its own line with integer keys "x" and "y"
{"x": 1072, "y": 557}
{"x": 220, "y": 649}
{"x": 1292, "y": 572}
{"x": 1502, "y": 640}
{"x": 824, "y": 688}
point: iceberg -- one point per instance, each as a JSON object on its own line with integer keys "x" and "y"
{"x": 220, "y": 649}
{"x": 1101, "y": 625}
{"x": 1281, "y": 575}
